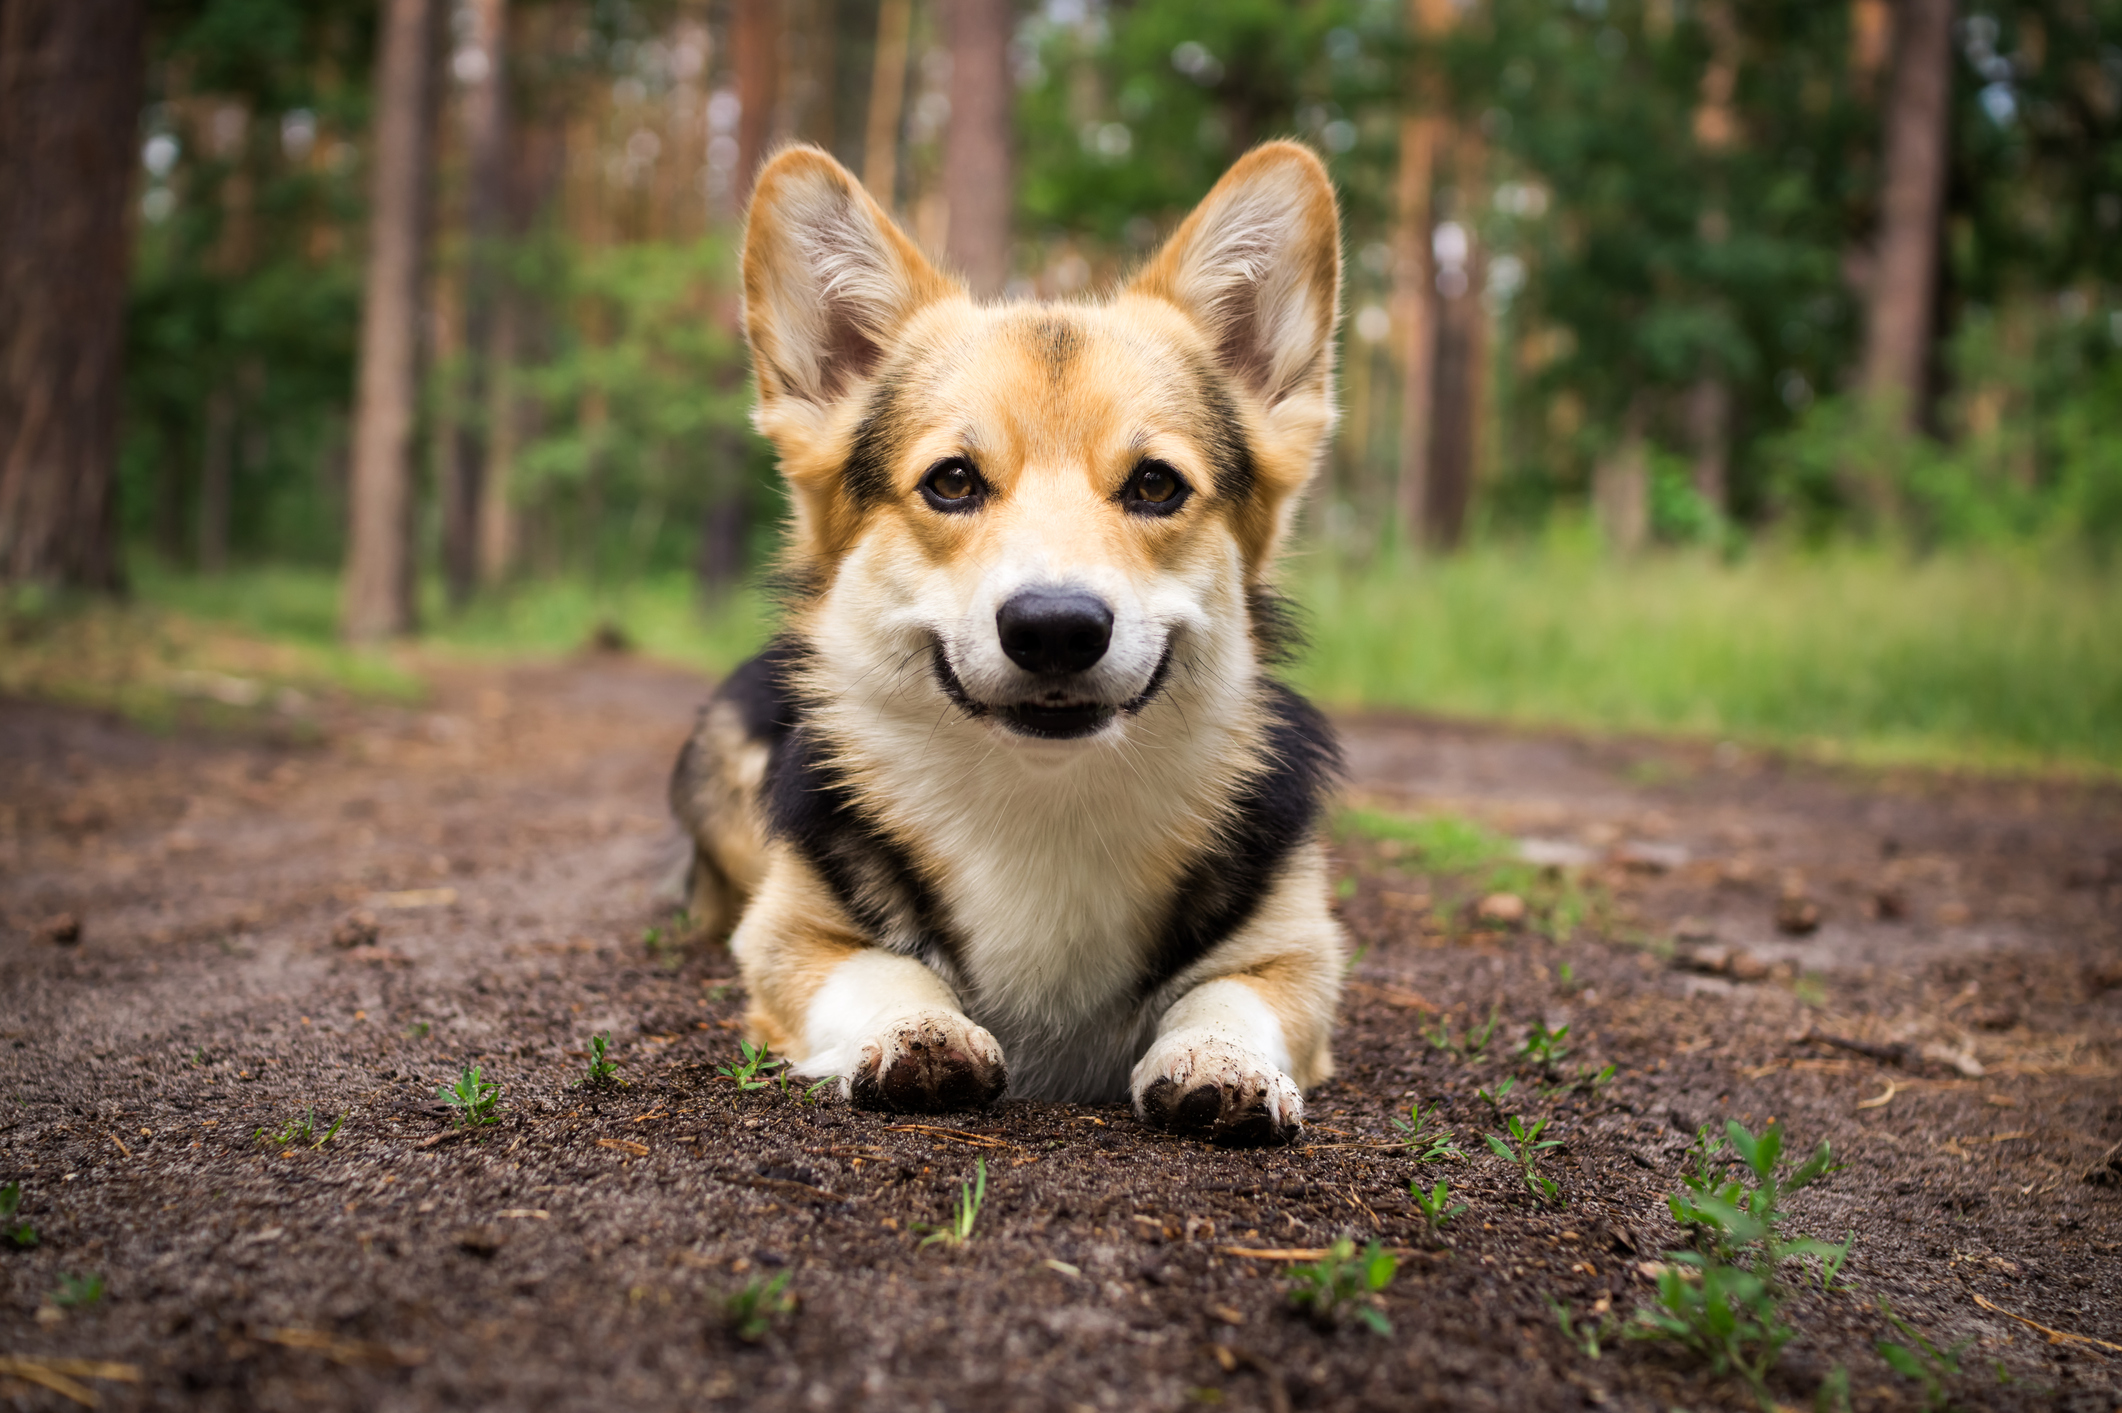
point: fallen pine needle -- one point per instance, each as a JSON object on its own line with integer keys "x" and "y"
{"x": 2054, "y": 1336}
{"x": 345, "y": 1351}
{"x": 538, "y": 1214}
{"x": 121, "y": 1145}
{"x": 977, "y": 1140}
{"x": 1299, "y": 1253}
{"x": 53, "y": 1374}
{"x": 624, "y": 1145}
{"x": 1880, "y": 1101}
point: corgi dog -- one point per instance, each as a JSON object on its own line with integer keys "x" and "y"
{"x": 1014, "y": 804}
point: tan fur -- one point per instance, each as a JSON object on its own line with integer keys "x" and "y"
{"x": 873, "y": 367}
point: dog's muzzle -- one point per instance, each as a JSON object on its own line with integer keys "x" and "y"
{"x": 1055, "y": 635}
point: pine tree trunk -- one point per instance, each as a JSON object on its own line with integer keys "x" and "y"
{"x": 485, "y": 115}
{"x": 887, "y": 97}
{"x": 976, "y": 150}
{"x": 379, "y": 563}
{"x": 1415, "y": 292}
{"x": 755, "y": 53}
{"x": 71, "y": 79}
{"x": 1904, "y": 281}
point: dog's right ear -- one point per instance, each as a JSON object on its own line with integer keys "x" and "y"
{"x": 828, "y": 278}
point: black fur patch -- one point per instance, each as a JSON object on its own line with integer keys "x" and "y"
{"x": 1277, "y": 629}
{"x": 809, "y": 804}
{"x": 868, "y": 473}
{"x": 1228, "y": 451}
{"x": 1273, "y": 815}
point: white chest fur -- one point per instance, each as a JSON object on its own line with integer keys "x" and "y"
{"x": 1055, "y": 862}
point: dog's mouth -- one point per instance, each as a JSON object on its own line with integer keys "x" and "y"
{"x": 1051, "y": 716}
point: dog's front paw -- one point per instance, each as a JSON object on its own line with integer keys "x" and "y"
{"x": 1204, "y": 1087}
{"x": 927, "y": 1064}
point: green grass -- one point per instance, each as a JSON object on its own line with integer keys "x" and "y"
{"x": 661, "y": 615}
{"x": 1849, "y": 652}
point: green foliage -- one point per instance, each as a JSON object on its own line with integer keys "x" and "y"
{"x": 1738, "y": 1216}
{"x": 1589, "y": 1339}
{"x": 1921, "y": 1360}
{"x": 12, "y": 1231}
{"x": 1470, "y": 1045}
{"x": 1493, "y": 1096}
{"x": 1954, "y": 658}
{"x": 959, "y": 1229}
{"x": 302, "y": 1129}
{"x": 761, "y": 1304}
{"x": 1440, "y": 843}
{"x": 1342, "y": 1283}
{"x": 1545, "y": 1048}
{"x": 76, "y": 1292}
{"x": 1425, "y": 1143}
{"x": 1727, "y": 1316}
{"x": 1131, "y": 115}
{"x": 475, "y": 1098}
{"x": 646, "y": 399}
{"x": 602, "y": 1070}
{"x": 1524, "y": 1146}
{"x": 1723, "y": 1299}
{"x": 1436, "y": 1204}
{"x": 753, "y": 1069}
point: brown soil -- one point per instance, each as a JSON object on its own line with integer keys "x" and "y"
{"x": 509, "y": 841}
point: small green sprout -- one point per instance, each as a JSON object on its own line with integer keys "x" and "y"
{"x": 1590, "y": 1339}
{"x": 418, "y": 1030}
{"x": 754, "y": 1070}
{"x": 1920, "y": 1360}
{"x": 959, "y": 1229}
{"x": 77, "y": 1292}
{"x": 1494, "y": 1097}
{"x": 301, "y": 1129}
{"x": 602, "y": 1070}
{"x": 1436, "y": 1144}
{"x": 756, "y": 1308}
{"x": 1468, "y": 1047}
{"x": 1436, "y": 1204}
{"x": 1725, "y": 1315}
{"x": 1566, "y": 979}
{"x": 1723, "y": 1299}
{"x": 1524, "y": 1148}
{"x": 802, "y": 1095}
{"x": 475, "y": 1098}
{"x": 1545, "y": 1047}
{"x": 15, "y": 1233}
{"x": 1341, "y": 1283}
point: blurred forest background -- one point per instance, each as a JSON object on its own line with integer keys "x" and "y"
{"x": 1746, "y": 367}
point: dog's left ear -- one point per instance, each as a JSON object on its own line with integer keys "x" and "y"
{"x": 1258, "y": 267}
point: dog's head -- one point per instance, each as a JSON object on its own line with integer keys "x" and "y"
{"x": 1048, "y": 508}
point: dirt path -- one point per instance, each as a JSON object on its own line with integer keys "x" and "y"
{"x": 508, "y": 841}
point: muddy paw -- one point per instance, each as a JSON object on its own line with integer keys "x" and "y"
{"x": 1209, "y": 1088}
{"x": 928, "y": 1064}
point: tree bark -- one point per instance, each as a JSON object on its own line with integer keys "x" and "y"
{"x": 379, "y": 600}
{"x": 1899, "y": 323}
{"x": 755, "y": 52}
{"x": 976, "y": 148}
{"x": 485, "y": 114}
{"x": 216, "y": 476}
{"x": 1415, "y": 291}
{"x": 72, "y": 74}
{"x": 1414, "y": 272}
{"x": 887, "y": 98}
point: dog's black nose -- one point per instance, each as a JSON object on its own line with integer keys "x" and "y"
{"x": 1054, "y": 631}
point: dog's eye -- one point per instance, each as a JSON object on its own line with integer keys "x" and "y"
{"x": 1154, "y": 489}
{"x": 952, "y": 485}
